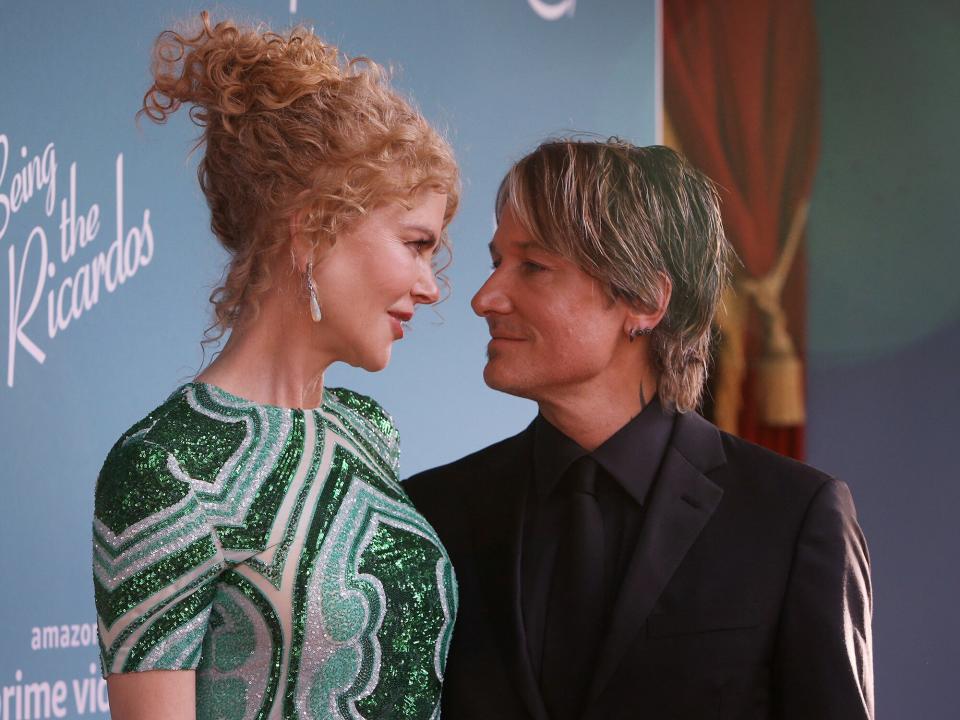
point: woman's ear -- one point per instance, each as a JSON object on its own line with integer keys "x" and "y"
{"x": 641, "y": 320}
{"x": 301, "y": 246}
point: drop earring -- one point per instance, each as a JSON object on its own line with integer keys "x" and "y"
{"x": 315, "y": 311}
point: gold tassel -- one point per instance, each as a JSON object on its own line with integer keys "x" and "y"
{"x": 731, "y": 360}
{"x": 780, "y": 373}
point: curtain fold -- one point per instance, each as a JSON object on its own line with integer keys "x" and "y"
{"x": 741, "y": 92}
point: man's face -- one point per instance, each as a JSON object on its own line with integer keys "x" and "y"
{"x": 552, "y": 327}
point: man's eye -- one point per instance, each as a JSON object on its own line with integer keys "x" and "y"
{"x": 494, "y": 264}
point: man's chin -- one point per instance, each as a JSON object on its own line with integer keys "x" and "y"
{"x": 499, "y": 378}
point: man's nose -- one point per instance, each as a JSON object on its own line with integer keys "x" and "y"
{"x": 491, "y": 298}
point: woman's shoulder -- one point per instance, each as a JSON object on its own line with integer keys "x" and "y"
{"x": 188, "y": 413}
{"x": 188, "y": 437}
{"x": 135, "y": 480}
{"x": 365, "y": 419}
{"x": 141, "y": 438}
{"x": 361, "y": 408}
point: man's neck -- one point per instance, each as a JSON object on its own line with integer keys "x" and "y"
{"x": 590, "y": 414}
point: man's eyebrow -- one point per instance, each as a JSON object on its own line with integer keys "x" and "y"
{"x": 422, "y": 229}
{"x": 527, "y": 245}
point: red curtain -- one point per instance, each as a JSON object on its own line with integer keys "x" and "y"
{"x": 741, "y": 88}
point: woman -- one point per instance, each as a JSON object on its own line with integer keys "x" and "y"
{"x": 254, "y": 553}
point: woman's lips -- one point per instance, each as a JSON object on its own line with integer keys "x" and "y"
{"x": 397, "y": 327}
{"x": 396, "y": 323}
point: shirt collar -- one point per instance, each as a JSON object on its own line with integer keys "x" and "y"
{"x": 631, "y": 456}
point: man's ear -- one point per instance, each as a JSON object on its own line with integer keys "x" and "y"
{"x": 641, "y": 320}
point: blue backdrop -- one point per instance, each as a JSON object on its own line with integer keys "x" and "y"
{"x": 85, "y": 195}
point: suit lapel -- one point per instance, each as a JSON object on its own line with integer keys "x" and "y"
{"x": 681, "y": 502}
{"x": 498, "y": 506}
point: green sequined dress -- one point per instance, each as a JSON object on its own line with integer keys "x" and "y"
{"x": 274, "y": 551}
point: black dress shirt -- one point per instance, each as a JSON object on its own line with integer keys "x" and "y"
{"x": 627, "y": 466}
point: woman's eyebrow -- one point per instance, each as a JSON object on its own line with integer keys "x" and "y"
{"x": 421, "y": 229}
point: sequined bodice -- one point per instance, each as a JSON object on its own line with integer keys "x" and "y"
{"x": 274, "y": 551}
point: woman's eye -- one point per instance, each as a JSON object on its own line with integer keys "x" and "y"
{"x": 532, "y": 267}
{"x": 420, "y": 246}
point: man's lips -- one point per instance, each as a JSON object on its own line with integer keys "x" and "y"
{"x": 505, "y": 332}
{"x": 502, "y": 341}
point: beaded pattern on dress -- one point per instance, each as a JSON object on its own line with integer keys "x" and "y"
{"x": 275, "y": 551}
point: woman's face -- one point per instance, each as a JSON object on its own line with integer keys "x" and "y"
{"x": 373, "y": 277}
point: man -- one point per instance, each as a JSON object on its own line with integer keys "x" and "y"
{"x": 622, "y": 557}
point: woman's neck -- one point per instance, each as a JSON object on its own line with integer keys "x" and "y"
{"x": 271, "y": 360}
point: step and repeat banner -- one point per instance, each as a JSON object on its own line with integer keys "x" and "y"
{"x": 106, "y": 258}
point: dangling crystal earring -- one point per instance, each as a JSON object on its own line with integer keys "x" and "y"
{"x": 315, "y": 312}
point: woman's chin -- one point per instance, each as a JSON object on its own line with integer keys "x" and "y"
{"x": 375, "y": 362}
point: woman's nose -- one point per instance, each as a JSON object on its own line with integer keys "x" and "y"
{"x": 426, "y": 290}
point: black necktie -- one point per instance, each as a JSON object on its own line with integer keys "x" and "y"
{"x": 575, "y": 607}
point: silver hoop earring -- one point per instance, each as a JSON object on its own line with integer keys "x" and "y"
{"x": 637, "y": 332}
{"x": 315, "y": 311}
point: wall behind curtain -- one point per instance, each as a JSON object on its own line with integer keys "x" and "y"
{"x": 499, "y": 76}
{"x": 884, "y": 324}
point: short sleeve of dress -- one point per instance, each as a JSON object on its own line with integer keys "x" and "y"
{"x": 156, "y": 559}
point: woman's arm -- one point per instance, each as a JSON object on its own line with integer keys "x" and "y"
{"x": 153, "y": 695}
{"x": 149, "y": 657}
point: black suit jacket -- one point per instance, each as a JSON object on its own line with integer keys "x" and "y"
{"x": 748, "y": 594}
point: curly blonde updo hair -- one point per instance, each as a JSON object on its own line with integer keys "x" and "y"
{"x": 292, "y": 128}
